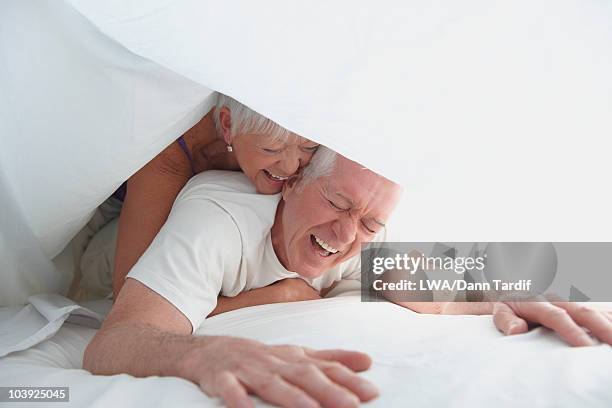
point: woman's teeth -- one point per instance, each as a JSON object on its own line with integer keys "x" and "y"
{"x": 274, "y": 176}
{"x": 325, "y": 245}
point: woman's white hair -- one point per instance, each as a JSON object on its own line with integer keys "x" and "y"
{"x": 322, "y": 164}
{"x": 245, "y": 120}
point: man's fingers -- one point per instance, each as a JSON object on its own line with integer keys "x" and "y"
{"x": 507, "y": 321}
{"x": 340, "y": 374}
{"x": 354, "y": 360}
{"x": 596, "y": 322}
{"x": 555, "y": 318}
{"x": 231, "y": 391}
{"x": 273, "y": 388}
{"x": 311, "y": 379}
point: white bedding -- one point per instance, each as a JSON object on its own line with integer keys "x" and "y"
{"x": 475, "y": 126}
{"x": 419, "y": 360}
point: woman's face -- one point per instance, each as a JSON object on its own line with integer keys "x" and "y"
{"x": 269, "y": 162}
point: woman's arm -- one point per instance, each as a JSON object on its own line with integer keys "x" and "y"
{"x": 286, "y": 290}
{"x": 151, "y": 193}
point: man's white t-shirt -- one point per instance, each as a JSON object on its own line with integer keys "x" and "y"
{"x": 217, "y": 240}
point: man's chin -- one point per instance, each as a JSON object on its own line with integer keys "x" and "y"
{"x": 311, "y": 273}
{"x": 312, "y": 264}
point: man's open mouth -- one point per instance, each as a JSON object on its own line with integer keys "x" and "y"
{"x": 322, "y": 247}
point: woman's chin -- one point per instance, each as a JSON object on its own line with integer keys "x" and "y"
{"x": 268, "y": 190}
{"x": 265, "y": 187}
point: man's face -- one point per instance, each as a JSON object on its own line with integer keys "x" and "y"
{"x": 325, "y": 223}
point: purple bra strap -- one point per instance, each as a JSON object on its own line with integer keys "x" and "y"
{"x": 183, "y": 145}
{"x": 122, "y": 190}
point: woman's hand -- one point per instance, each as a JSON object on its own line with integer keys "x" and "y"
{"x": 294, "y": 290}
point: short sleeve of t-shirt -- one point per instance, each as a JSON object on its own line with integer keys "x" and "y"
{"x": 197, "y": 248}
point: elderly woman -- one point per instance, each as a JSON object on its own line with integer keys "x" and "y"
{"x": 229, "y": 137}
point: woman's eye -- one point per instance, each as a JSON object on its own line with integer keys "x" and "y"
{"x": 271, "y": 151}
{"x": 310, "y": 149}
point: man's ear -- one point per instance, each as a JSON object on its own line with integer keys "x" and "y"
{"x": 225, "y": 122}
{"x": 291, "y": 185}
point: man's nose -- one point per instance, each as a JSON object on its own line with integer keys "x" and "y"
{"x": 290, "y": 162}
{"x": 345, "y": 229}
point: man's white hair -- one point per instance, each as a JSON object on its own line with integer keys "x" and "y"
{"x": 321, "y": 165}
{"x": 245, "y": 120}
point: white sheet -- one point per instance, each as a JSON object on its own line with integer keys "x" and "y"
{"x": 78, "y": 115}
{"x": 495, "y": 115}
{"x": 419, "y": 360}
{"x": 41, "y": 319}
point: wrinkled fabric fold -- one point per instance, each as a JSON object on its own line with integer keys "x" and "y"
{"x": 40, "y": 320}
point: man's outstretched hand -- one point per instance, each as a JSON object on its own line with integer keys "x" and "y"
{"x": 571, "y": 321}
{"x": 288, "y": 376}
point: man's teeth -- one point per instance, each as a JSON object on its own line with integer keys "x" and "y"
{"x": 325, "y": 245}
{"x": 275, "y": 177}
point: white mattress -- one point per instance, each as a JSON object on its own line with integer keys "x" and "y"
{"x": 419, "y": 360}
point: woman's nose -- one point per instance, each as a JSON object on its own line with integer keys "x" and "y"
{"x": 290, "y": 163}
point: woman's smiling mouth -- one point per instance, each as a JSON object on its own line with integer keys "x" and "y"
{"x": 274, "y": 177}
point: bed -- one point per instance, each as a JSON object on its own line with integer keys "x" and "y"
{"x": 419, "y": 360}
{"x": 83, "y": 76}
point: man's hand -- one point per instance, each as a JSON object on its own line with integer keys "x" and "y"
{"x": 145, "y": 335}
{"x": 288, "y": 376}
{"x": 570, "y": 320}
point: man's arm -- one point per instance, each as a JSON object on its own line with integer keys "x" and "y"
{"x": 151, "y": 337}
{"x": 133, "y": 329}
{"x": 568, "y": 319}
{"x": 450, "y": 308}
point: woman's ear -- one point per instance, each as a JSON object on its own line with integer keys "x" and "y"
{"x": 225, "y": 122}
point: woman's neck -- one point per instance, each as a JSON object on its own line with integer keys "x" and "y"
{"x": 208, "y": 150}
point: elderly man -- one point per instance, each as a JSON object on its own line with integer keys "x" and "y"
{"x": 223, "y": 238}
